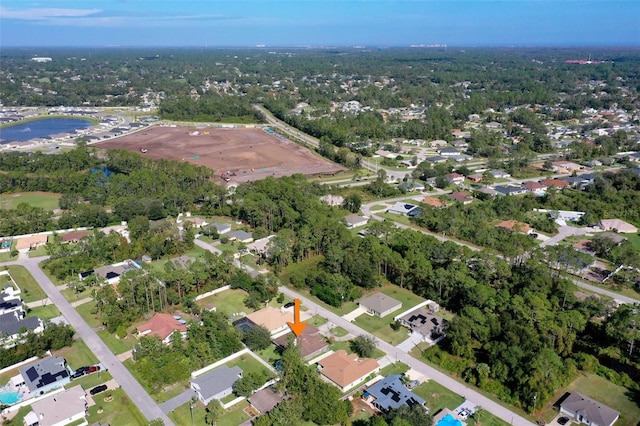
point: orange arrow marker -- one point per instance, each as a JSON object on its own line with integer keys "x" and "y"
{"x": 296, "y": 326}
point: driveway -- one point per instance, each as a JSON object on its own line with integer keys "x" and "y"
{"x": 448, "y": 382}
{"x": 409, "y": 344}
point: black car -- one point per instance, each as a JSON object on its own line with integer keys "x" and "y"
{"x": 289, "y": 305}
{"x": 76, "y": 374}
{"x": 563, "y": 420}
{"x": 98, "y": 389}
{"x": 83, "y": 369}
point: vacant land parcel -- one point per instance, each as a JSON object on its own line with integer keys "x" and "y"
{"x": 249, "y": 154}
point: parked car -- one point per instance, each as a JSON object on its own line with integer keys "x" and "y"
{"x": 76, "y": 374}
{"x": 289, "y": 305}
{"x": 83, "y": 369}
{"x": 93, "y": 369}
{"x": 563, "y": 420}
{"x": 98, "y": 389}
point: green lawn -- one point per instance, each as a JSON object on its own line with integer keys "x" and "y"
{"x": 39, "y": 252}
{"x": 248, "y": 364}
{"x": 269, "y": 354}
{"x": 86, "y": 311}
{"x": 6, "y": 256}
{"x": 617, "y": 397}
{"x": 437, "y": 396}
{"x": 116, "y": 344}
{"x": 395, "y": 368}
{"x": 71, "y": 295}
{"x": 45, "y": 200}
{"x": 44, "y": 312}
{"x": 381, "y": 327}
{"x": 31, "y": 290}
{"x": 317, "y": 320}
{"x": 338, "y": 331}
{"x": 634, "y": 239}
{"x": 405, "y": 296}
{"x": 121, "y": 411}
{"x": 378, "y": 207}
{"x": 228, "y": 301}
{"x": 182, "y": 414}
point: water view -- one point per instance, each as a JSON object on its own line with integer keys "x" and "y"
{"x": 41, "y": 128}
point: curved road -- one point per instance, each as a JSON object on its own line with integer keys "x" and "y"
{"x": 125, "y": 379}
{"x": 430, "y": 372}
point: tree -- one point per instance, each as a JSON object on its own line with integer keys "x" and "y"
{"x": 213, "y": 412}
{"x": 248, "y": 383}
{"x": 257, "y": 338}
{"x": 352, "y": 203}
{"x": 364, "y": 345}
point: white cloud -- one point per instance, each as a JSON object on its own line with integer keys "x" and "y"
{"x": 41, "y": 14}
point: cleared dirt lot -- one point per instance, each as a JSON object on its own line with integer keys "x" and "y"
{"x": 252, "y": 154}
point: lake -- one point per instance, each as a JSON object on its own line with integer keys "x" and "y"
{"x": 41, "y": 128}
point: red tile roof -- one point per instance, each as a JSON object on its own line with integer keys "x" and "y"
{"x": 161, "y": 325}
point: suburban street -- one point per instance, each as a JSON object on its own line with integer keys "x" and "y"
{"x": 125, "y": 379}
{"x": 430, "y": 372}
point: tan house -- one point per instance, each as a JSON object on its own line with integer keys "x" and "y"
{"x": 273, "y": 319}
{"x": 345, "y": 371}
{"x": 31, "y": 243}
{"x": 618, "y": 226}
{"x": 60, "y": 409}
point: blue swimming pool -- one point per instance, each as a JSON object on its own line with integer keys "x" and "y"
{"x": 9, "y": 398}
{"x": 448, "y": 420}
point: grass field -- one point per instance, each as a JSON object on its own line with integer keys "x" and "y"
{"x": 46, "y": 312}
{"x": 437, "y": 396}
{"x": 45, "y": 200}
{"x": 248, "y": 364}
{"x": 228, "y": 301}
{"x": 617, "y": 397}
{"x": 121, "y": 411}
{"x": 634, "y": 239}
{"x": 31, "y": 290}
{"x": 395, "y": 368}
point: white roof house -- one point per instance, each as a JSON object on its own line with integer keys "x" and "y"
{"x": 58, "y": 410}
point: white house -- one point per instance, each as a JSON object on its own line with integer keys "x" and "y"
{"x": 60, "y": 409}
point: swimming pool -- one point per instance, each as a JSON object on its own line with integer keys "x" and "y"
{"x": 448, "y": 420}
{"x": 9, "y": 398}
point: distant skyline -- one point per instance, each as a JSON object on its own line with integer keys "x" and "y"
{"x": 50, "y": 23}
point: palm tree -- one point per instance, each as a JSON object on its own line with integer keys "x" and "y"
{"x": 478, "y": 414}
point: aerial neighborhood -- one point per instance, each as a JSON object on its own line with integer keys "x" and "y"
{"x": 405, "y": 236}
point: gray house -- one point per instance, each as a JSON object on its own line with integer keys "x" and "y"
{"x": 424, "y": 324}
{"x": 588, "y": 411}
{"x": 46, "y": 374}
{"x": 380, "y": 304}
{"x": 390, "y": 393}
{"x": 216, "y": 384}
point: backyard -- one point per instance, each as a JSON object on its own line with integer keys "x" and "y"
{"x": 437, "y": 396}
{"x": 44, "y": 200}
{"x": 228, "y": 301}
{"x": 120, "y": 411}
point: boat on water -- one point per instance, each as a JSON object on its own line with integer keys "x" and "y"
{"x": 25, "y": 130}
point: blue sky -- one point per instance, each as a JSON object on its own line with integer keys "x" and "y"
{"x": 319, "y": 23}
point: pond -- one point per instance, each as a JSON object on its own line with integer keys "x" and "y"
{"x": 41, "y": 128}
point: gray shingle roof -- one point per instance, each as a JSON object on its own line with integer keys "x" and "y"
{"x": 391, "y": 393}
{"x": 590, "y": 409}
{"x": 380, "y": 302}
{"x": 218, "y": 380}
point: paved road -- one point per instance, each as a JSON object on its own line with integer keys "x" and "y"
{"x": 430, "y": 372}
{"x": 127, "y": 382}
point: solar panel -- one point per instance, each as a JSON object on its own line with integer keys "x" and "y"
{"x": 32, "y": 374}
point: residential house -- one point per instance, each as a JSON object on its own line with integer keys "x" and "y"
{"x": 448, "y": 151}
{"x": 402, "y": 208}
{"x": 111, "y": 274}
{"x": 460, "y": 158}
{"x": 162, "y": 326}
{"x": 455, "y": 178}
{"x": 555, "y": 183}
{"x": 221, "y": 228}
{"x": 390, "y": 393}
{"x": 499, "y": 174}
{"x": 354, "y": 221}
{"x": 461, "y": 197}
{"x": 438, "y": 143}
{"x": 588, "y": 411}
{"x": 566, "y": 167}
{"x": 33, "y": 242}
{"x": 460, "y": 144}
{"x": 515, "y": 226}
{"x": 273, "y": 319}
{"x": 476, "y": 177}
{"x": 493, "y": 125}
{"x": 14, "y": 324}
{"x": 379, "y": 304}
{"x": 260, "y": 247}
{"x": 566, "y": 215}
{"x": 411, "y": 186}
{"x": 310, "y": 342}
{"x": 197, "y": 222}
{"x": 264, "y": 400}
{"x": 385, "y": 154}
{"x": 510, "y": 190}
{"x": 60, "y": 409}
{"x": 240, "y": 236}
{"x": 423, "y": 324}
{"x": 10, "y": 300}
{"x": 434, "y": 202}
{"x": 332, "y": 200}
{"x": 345, "y": 371}
{"x": 436, "y": 159}
{"x": 617, "y": 225}
{"x": 74, "y": 236}
{"x": 44, "y": 375}
{"x": 615, "y": 238}
{"x": 584, "y": 246}
{"x": 216, "y": 384}
{"x": 181, "y": 262}
{"x": 536, "y": 188}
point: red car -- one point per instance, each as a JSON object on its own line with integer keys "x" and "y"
{"x": 93, "y": 369}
